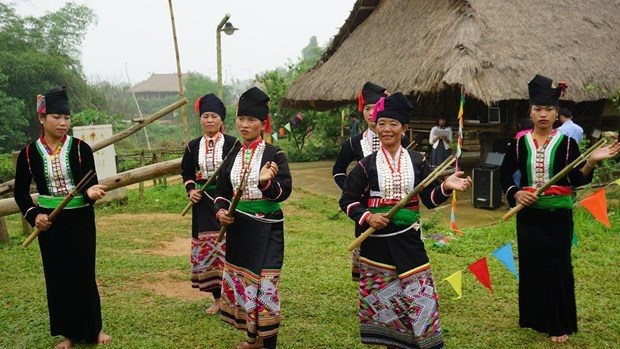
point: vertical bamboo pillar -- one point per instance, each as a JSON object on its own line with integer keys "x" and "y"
{"x": 179, "y": 76}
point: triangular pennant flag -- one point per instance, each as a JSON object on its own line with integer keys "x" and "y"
{"x": 597, "y": 205}
{"x": 275, "y": 136}
{"x": 288, "y": 127}
{"x": 455, "y": 228}
{"x": 504, "y": 255}
{"x": 481, "y": 270}
{"x": 617, "y": 181}
{"x": 455, "y": 281}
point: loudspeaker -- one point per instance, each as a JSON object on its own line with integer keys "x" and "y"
{"x": 486, "y": 191}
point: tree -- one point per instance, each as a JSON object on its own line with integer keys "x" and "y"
{"x": 12, "y": 121}
{"x": 38, "y": 53}
{"x": 302, "y": 123}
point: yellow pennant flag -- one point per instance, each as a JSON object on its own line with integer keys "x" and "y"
{"x": 617, "y": 181}
{"x": 455, "y": 281}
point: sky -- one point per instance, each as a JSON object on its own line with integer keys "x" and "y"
{"x": 135, "y": 36}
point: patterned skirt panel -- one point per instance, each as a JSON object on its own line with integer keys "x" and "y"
{"x": 398, "y": 310}
{"x": 207, "y": 262}
{"x": 251, "y": 302}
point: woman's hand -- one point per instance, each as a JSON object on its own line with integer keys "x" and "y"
{"x": 41, "y": 222}
{"x": 525, "y": 197}
{"x": 195, "y": 195}
{"x": 455, "y": 182}
{"x": 378, "y": 220}
{"x": 224, "y": 219}
{"x": 602, "y": 153}
{"x": 96, "y": 192}
{"x": 268, "y": 172}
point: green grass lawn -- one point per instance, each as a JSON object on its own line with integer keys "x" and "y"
{"x": 319, "y": 300}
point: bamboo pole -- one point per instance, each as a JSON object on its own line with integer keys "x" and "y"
{"x": 428, "y": 180}
{"x": 235, "y": 202}
{"x": 179, "y": 76}
{"x": 210, "y": 180}
{"x": 90, "y": 175}
{"x": 170, "y": 167}
{"x": 9, "y": 185}
{"x": 583, "y": 157}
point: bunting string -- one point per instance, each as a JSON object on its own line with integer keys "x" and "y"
{"x": 596, "y": 204}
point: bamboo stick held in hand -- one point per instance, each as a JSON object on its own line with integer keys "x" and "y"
{"x": 235, "y": 202}
{"x": 89, "y": 175}
{"x": 210, "y": 180}
{"x": 583, "y": 157}
{"x": 428, "y": 180}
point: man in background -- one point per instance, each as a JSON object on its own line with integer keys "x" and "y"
{"x": 569, "y": 128}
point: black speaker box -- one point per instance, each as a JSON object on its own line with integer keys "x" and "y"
{"x": 486, "y": 191}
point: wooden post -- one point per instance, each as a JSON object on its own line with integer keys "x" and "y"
{"x": 164, "y": 179}
{"x": 179, "y": 76}
{"x": 4, "y": 233}
{"x": 26, "y": 228}
{"x": 141, "y": 185}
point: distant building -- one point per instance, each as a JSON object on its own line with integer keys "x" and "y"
{"x": 158, "y": 86}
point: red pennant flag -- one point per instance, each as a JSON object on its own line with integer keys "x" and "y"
{"x": 455, "y": 228}
{"x": 597, "y": 205}
{"x": 481, "y": 270}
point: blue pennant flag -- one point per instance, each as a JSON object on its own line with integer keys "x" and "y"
{"x": 504, "y": 255}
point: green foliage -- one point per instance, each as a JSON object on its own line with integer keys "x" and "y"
{"x": 304, "y": 124}
{"x": 7, "y": 169}
{"x": 12, "y": 121}
{"x": 91, "y": 117}
{"x": 38, "y": 53}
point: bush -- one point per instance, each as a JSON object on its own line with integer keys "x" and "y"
{"x": 7, "y": 169}
{"x": 314, "y": 150}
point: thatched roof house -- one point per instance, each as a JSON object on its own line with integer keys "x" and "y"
{"x": 158, "y": 86}
{"x": 492, "y": 48}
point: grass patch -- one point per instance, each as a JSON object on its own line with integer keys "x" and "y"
{"x": 147, "y": 301}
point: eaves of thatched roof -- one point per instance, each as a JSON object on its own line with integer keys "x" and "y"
{"x": 492, "y": 48}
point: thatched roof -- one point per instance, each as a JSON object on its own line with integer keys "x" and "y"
{"x": 492, "y": 48}
{"x": 159, "y": 83}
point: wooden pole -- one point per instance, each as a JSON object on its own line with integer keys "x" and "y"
{"x": 583, "y": 157}
{"x": 428, "y": 180}
{"x": 26, "y": 228}
{"x": 179, "y": 76}
{"x": 171, "y": 167}
{"x": 8, "y": 186}
{"x": 141, "y": 185}
{"x": 83, "y": 182}
{"x": 4, "y": 233}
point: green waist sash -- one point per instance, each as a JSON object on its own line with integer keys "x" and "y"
{"x": 402, "y": 217}
{"x": 551, "y": 202}
{"x": 258, "y": 206}
{"x": 211, "y": 186}
{"x": 52, "y": 202}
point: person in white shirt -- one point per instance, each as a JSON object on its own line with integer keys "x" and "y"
{"x": 569, "y": 128}
{"x": 440, "y": 139}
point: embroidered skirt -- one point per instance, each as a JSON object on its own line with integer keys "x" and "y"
{"x": 398, "y": 301}
{"x": 207, "y": 262}
{"x": 251, "y": 280}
